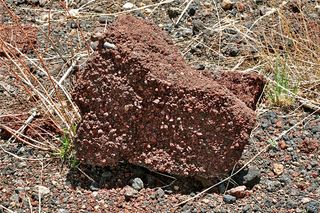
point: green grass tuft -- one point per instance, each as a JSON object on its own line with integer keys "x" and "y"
{"x": 280, "y": 91}
{"x": 66, "y": 151}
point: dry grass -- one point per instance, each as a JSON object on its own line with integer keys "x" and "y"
{"x": 46, "y": 91}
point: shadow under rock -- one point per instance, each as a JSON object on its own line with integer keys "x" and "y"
{"x": 123, "y": 175}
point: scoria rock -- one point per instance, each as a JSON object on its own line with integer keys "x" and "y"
{"x": 140, "y": 102}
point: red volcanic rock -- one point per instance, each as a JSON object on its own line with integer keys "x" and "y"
{"x": 141, "y": 103}
{"x": 24, "y": 38}
{"x": 247, "y": 86}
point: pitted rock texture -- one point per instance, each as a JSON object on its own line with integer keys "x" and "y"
{"x": 247, "y": 86}
{"x": 24, "y": 38}
{"x": 141, "y": 103}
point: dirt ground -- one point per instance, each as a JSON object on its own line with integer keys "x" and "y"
{"x": 282, "y": 160}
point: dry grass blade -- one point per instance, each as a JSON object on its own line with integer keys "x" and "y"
{"x": 24, "y": 138}
{"x": 183, "y": 12}
{"x": 24, "y": 126}
{"x": 6, "y": 209}
{"x": 18, "y": 157}
{"x": 45, "y": 97}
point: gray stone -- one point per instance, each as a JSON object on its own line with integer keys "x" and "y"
{"x": 312, "y": 207}
{"x": 130, "y": 193}
{"x": 42, "y": 190}
{"x": 264, "y": 10}
{"x": 249, "y": 177}
{"x": 21, "y": 189}
{"x": 94, "y": 186}
{"x": 229, "y": 198}
{"x": 94, "y": 45}
{"x": 246, "y": 208}
{"x": 22, "y": 164}
{"x": 272, "y": 186}
{"x": 174, "y": 12}
{"x": 15, "y": 198}
{"x": 98, "y": 9}
{"x": 137, "y": 184}
{"x": 103, "y": 19}
{"x": 159, "y": 193}
{"x": 231, "y": 50}
{"x": 313, "y": 16}
{"x": 285, "y": 179}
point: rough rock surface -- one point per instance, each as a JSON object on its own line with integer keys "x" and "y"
{"x": 247, "y": 86}
{"x": 140, "y": 102}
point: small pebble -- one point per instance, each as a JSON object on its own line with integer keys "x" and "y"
{"x": 229, "y": 199}
{"x": 250, "y": 177}
{"x": 63, "y": 211}
{"x": 128, "y": 6}
{"x": 15, "y": 198}
{"x": 42, "y": 190}
{"x": 305, "y": 200}
{"x": 272, "y": 186}
{"x": 159, "y": 193}
{"x": 94, "y": 186}
{"x": 137, "y": 184}
{"x": 200, "y": 67}
{"x": 240, "y": 7}
{"x": 246, "y": 208}
{"x": 313, "y": 207}
{"x": 192, "y": 11}
{"x": 94, "y": 45}
{"x": 277, "y": 168}
{"x": 103, "y": 19}
{"x": 238, "y": 192}
{"x": 227, "y": 4}
{"x": 174, "y": 12}
{"x": 130, "y": 193}
{"x": 21, "y": 165}
{"x": 108, "y": 45}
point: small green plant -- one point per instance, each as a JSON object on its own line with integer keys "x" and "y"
{"x": 273, "y": 143}
{"x": 65, "y": 146}
{"x": 280, "y": 91}
{"x": 66, "y": 151}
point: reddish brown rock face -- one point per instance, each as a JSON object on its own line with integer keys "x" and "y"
{"x": 140, "y": 102}
{"x": 247, "y": 86}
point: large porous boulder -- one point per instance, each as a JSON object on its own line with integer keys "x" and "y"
{"x": 141, "y": 103}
